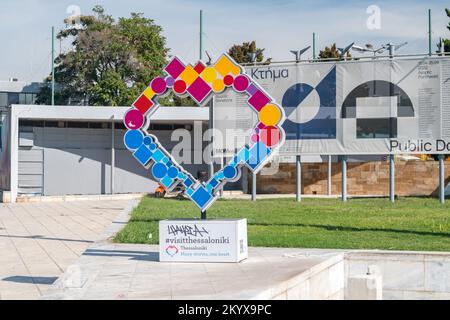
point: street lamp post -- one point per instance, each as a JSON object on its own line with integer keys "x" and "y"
{"x": 298, "y": 53}
{"x": 369, "y": 48}
{"x": 388, "y": 46}
{"x": 344, "y": 51}
{"x": 298, "y": 179}
{"x": 394, "y": 47}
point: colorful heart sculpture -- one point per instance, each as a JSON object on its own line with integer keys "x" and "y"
{"x": 200, "y": 82}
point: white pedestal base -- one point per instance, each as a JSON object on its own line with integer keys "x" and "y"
{"x": 365, "y": 287}
{"x": 190, "y": 240}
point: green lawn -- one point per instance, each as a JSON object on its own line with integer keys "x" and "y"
{"x": 409, "y": 224}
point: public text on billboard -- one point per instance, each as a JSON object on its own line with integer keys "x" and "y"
{"x": 386, "y": 106}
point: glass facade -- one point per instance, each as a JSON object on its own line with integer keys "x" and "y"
{"x": 8, "y": 98}
{"x": 15, "y": 92}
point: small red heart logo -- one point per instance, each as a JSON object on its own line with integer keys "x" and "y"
{"x": 171, "y": 250}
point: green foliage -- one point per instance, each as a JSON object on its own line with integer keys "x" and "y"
{"x": 446, "y": 42}
{"x": 110, "y": 63}
{"x": 447, "y": 11}
{"x": 332, "y": 53}
{"x": 408, "y": 224}
{"x": 172, "y": 99}
{"x": 446, "y": 45}
{"x": 240, "y": 52}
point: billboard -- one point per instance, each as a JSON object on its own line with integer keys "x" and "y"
{"x": 388, "y": 106}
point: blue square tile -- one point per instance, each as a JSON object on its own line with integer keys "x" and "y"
{"x": 157, "y": 155}
{"x": 243, "y": 155}
{"x": 166, "y": 181}
{"x": 258, "y": 152}
{"x": 213, "y": 183}
{"x": 252, "y": 161}
{"x": 143, "y": 154}
{"x": 188, "y": 182}
{"x": 201, "y": 196}
{"x": 252, "y": 164}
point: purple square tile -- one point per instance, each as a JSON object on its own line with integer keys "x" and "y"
{"x": 175, "y": 68}
{"x": 251, "y": 89}
{"x": 258, "y": 100}
{"x": 199, "y": 89}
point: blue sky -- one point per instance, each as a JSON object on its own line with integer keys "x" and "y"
{"x": 277, "y": 26}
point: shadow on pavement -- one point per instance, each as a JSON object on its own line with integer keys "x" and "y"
{"x": 46, "y": 238}
{"x": 28, "y": 279}
{"x": 133, "y": 255}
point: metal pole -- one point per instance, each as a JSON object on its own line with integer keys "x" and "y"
{"x": 441, "y": 179}
{"x": 391, "y": 51}
{"x": 244, "y": 180}
{"x": 391, "y": 178}
{"x": 211, "y": 169}
{"x": 221, "y": 168}
{"x": 253, "y": 186}
{"x": 429, "y": 32}
{"x": 203, "y": 215}
{"x": 201, "y": 35}
{"x": 344, "y": 178}
{"x": 314, "y": 45}
{"x": 113, "y": 156}
{"x": 210, "y": 126}
{"x": 298, "y": 187}
{"x": 329, "y": 175}
{"x": 53, "y": 66}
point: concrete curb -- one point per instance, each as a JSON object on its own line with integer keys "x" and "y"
{"x": 119, "y": 222}
{"x": 100, "y": 197}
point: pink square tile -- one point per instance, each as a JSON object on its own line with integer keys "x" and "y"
{"x": 258, "y": 100}
{"x": 175, "y": 68}
{"x": 199, "y": 89}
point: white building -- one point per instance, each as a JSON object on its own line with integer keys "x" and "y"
{"x": 66, "y": 150}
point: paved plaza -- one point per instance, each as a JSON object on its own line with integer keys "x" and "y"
{"x": 63, "y": 250}
{"x": 132, "y": 271}
{"x": 38, "y": 241}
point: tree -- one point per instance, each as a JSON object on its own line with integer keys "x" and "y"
{"x": 241, "y": 53}
{"x": 447, "y": 11}
{"x": 110, "y": 63}
{"x": 332, "y": 53}
{"x": 446, "y": 42}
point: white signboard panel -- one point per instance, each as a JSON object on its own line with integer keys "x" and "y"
{"x": 350, "y": 107}
{"x": 203, "y": 240}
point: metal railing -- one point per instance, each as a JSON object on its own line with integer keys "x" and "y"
{"x": 348, "y": 59}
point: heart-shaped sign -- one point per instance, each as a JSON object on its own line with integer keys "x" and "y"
{"x": 171, "y": 250}
{"x": 201, "y": 82}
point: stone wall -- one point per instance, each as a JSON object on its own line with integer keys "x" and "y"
{"x": 406, "y": 275}
{"x": 323, "y": 281}
{"x": 412, "y": 178}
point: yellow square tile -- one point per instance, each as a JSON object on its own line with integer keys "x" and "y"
{"x": 149, "y": 93}
{"x": 189, "y": 75}
{"x": 224, "y": 66}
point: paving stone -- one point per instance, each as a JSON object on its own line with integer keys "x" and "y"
{"x": 119, "y": 276}
{"x": 39, "y": 241}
